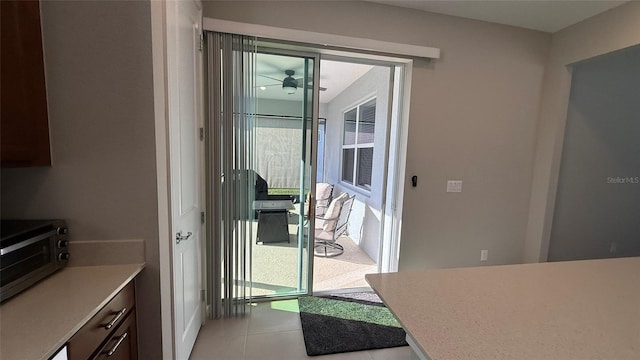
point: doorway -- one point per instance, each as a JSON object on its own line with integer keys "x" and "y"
{"x": 264, "y": 127}
{"x": 359, "y": 152}
{"x": 356, "y": 152}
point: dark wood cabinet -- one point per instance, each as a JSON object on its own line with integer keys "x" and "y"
{"x": 111, "y": 331}
{"x": 24, "y": 125}
{"x": 122, "y": 344}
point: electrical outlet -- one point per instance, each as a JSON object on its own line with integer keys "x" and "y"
{"x": 613, "y": 248}
{"x": 484, "y": 255}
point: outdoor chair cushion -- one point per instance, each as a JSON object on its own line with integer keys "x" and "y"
{"x": 323, "y": 190}
{"x": 323, "y": 193}
{"x": 333, "y": 212}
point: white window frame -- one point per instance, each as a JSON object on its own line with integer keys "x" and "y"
{"x": 356, "y": 146}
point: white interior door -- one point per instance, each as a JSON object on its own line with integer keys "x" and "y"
{"x": 184, "y": 29}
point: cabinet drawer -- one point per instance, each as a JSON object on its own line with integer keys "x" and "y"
{"x": 102, "y": 325}
{"x": 123, "y": 343}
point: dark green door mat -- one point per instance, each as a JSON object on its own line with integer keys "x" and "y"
{"x": 348, "y": 322}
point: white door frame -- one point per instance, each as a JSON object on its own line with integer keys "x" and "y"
{"x": 396, "y": 175}
{"x": 158, "y": 51}
{"x": 324, "y": 39}
{"x": 165, "y": 234}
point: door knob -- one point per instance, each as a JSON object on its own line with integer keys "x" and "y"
{"x": 180, "y": 237}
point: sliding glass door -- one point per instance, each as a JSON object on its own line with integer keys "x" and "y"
{"x": 285, "y": 127}
{"x": 262, "y": 107}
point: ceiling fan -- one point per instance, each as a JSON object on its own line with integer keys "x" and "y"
{"x": 289, "y": 83}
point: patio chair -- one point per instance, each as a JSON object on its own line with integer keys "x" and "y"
{"x": 324, "y": 193}
{"x": 332, "y": 225}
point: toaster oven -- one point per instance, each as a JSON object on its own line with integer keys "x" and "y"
{"x": 30, "y": 250}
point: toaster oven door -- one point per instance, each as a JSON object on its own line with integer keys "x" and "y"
{"x": 24, "y": 263}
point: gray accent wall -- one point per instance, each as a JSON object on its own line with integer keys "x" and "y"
{"x": 604, "y": 33}
{"x": 101, "y": 117}
{"x": 597, "y": 210}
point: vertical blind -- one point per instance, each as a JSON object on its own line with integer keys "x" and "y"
{"x": 230, "y": 154}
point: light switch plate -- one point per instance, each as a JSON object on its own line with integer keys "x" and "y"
{"x": 454, "y": 186}
{"x": 484, "y": 255}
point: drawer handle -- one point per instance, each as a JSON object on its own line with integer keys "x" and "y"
{"x": 115, "y": 347}
{"x": 115, "y": 318}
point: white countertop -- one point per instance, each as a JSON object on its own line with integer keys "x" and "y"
{"x": 560, "y": 310}
{"x": 37, "y": 322}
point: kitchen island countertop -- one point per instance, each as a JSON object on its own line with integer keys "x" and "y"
{"x": 586, "y": 309}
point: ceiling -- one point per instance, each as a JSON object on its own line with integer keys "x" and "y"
{"x": 334, "y": 76}
{"x": 337, "y": 76}
{"x": 544, "y": 15}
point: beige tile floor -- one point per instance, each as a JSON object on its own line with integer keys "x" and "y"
{"x": 271, "y": 331}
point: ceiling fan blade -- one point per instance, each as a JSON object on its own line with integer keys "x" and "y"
{"x": 272, "y": 78}
{"x": 319, "y": 88}
{"x": 300, "y": 82}
{"x": 267, "y": 85}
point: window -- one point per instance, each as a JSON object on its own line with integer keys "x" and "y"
{"x": 357, "y": 144}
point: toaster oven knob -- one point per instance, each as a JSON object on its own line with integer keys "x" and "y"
{"x": 63, "y": 256}
{"x": 62, "y": 231}
{"x": 63, "y": 244}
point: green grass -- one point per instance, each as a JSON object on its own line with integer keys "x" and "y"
{"x": 286, "y": 191}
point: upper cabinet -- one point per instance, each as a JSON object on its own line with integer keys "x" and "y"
{"x": 24, "y": 127}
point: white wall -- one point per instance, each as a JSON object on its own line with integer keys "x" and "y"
{"x": 364, "y": 222}
{"x": 103, "y": 177}
{"x": 597, "y": 208}
{"x": 473, "y": 117}
{"x": 323, "y": 111}
{"x": 320, "y": 158}
{"x": 612, "y": 30}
